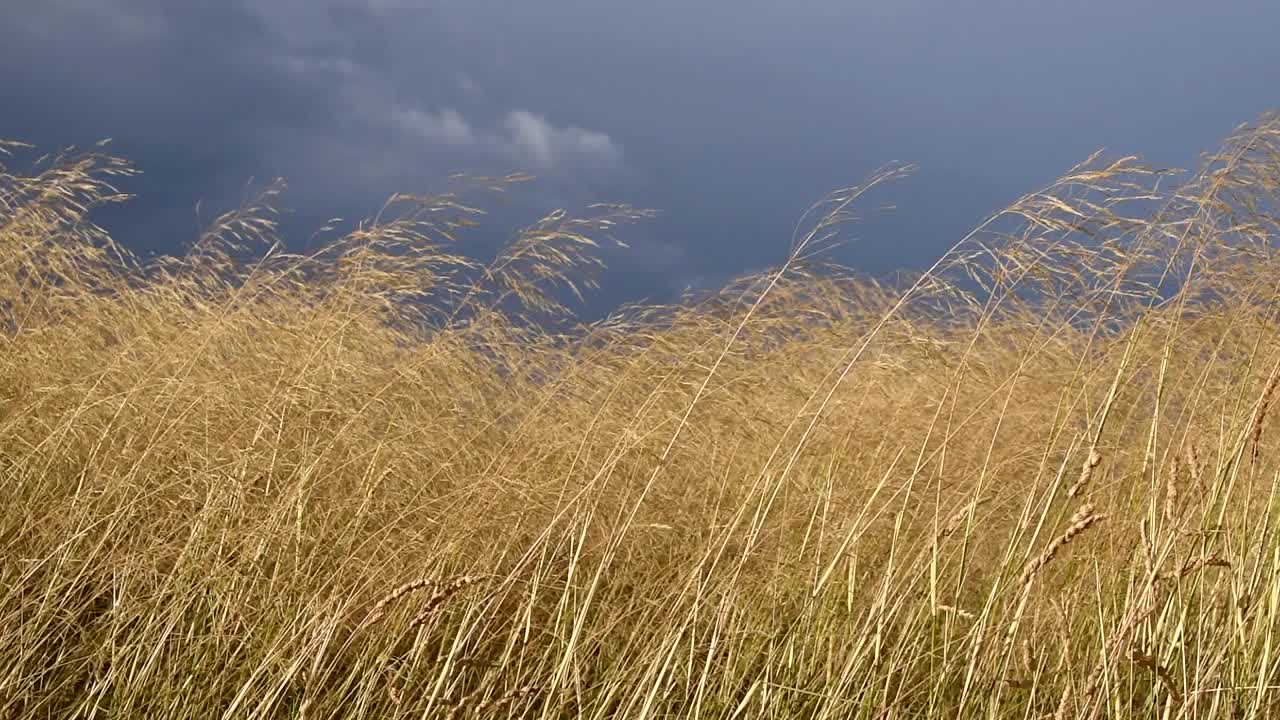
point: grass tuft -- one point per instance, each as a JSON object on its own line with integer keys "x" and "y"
{"x": 805, "y": 495}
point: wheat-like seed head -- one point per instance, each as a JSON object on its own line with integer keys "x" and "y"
{"x": 441, "y": 595}
{"x": 379, "y": 608}
{"x": 1082, "y": 520}
{"x": 503, "y": 700}
{"x": 1171, "y": 492}
{"x": 1086, "y": 474}
{"x": 1195, "y": 565}
{"x": 1260, "y": 416}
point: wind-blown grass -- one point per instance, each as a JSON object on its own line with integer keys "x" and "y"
{"x": 389, "y": 479}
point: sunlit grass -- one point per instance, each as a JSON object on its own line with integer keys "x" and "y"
{"x": 388, "y": 478}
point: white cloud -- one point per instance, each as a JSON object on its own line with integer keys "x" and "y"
{"x": 446, "y": 128}
{"x": 532, "y": 139}
{"x": 532, "y": 136}
{"x": 524, "y": 138}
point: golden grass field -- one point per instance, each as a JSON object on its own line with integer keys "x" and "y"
{"x": 385, "y": 479}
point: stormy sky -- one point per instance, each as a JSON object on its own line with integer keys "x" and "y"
{"x": 728, "y": 116}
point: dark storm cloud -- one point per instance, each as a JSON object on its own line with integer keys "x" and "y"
{"x": 730, "y": 117}
{"x": 335, "y": 98}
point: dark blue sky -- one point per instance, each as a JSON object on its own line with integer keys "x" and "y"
{"x": 728, "y": 116}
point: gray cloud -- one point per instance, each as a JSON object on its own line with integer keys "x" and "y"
{"x": 329, "y": 44}
{"x": 320, "y": 69}
{"x": 335, "y": 97}
{"x": 468, "y": 86}
{"x": 730, "y": 116}
{"x": 118, "y": 21}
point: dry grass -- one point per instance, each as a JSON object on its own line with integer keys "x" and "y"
{"x": 387, "y": 479}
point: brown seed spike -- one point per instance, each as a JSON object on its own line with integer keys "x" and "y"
{"x": 1171, "y": 492}
{"x": 1081, "y": 521}
{"x": 1194, "y": 467}
{"x": 494, "y": 704}
{"x": 1264, "y": 403}
{"x": 441, "y": 595}
{"x": 1195, "y": 565}
{"x": 395, "y": 595}
{"x": 1086, "y": 473}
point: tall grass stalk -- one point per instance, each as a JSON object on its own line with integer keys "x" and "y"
{"x": 388, "y": 478}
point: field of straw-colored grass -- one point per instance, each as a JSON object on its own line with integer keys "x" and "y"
{"x": 387, "y": 479}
